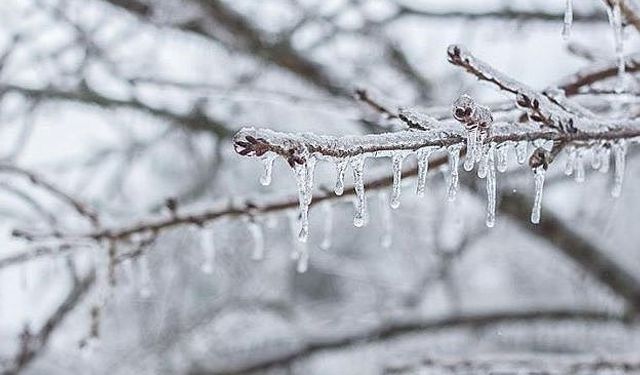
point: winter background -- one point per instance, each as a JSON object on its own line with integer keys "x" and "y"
{"x": 123, "y": 104}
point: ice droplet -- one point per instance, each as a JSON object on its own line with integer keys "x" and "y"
{"x": 501, "y": 155}
{"x": 539, "y": 174}
{"x": 423, "y": 169}
{"x": 396, "y": 165}
{"x": 257, "y": 237}
{"x": 491, "y": 189}
{"x": 267, "y": 160}
{"x": 327, "y": 210}
{"x": 568, "y": 20}
{"x": 387, "y": 224}
{"x": 208, "y": 247}
{"x": 521, "y": 151}
{"x": 341, "y": 167}
{"x": 454, "y": 160}
{"x": 360, "y": 216}
{"x": 619, "y": 155}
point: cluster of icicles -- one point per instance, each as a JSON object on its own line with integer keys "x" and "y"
{"x": 487, "y": 157}
{"x": 614, "y": 14}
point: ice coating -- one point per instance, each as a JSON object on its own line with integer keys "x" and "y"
{"x": 539, "y": 174}
{"x": 521, "y": 151}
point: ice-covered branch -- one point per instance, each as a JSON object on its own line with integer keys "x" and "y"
{"x": 396, "y": 329}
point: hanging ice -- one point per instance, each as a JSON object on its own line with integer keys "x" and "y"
{"x": 454, "y": 160}
{"x": 596, "y": 157}
{"x": 304, "y": 179}
{"x": 257, "y": 237}
{"x": 472, "y": 147}
{"x": 396, "y": 165}
{"x": 387, "y": 224}
{"x": 521, "y": 151}
{"x": 579, "y": 166}
{"x": 341, "y": 167}
{"x": 360, "y": 216}
{"x": 614, "y": 13}
{"x": 268, "y": 160}
{"x": 539, "y": 174}
{"x": 619, "y": 156}
{"x": 491, "y": 189}
{"x": 568, "y": 20}
{"x": 605, "y": 159}
{"x": 327, "y": 211}
{"x": 423, "y": 169}
{"x": 570, "y": 165}
{"x": 484, "y": 160}
{"x": 208, "y": 247}
{"x": 501, "y": 155}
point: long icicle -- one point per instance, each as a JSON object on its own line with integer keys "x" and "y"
{"x": 539, "y": 174}
{"x": 423, "y": 169}
{"x": 619, "y": 157}
{"x": 360, "y": 216}
{"x": 454, "y": 160}
{"x": 491, "y": 189}
{"x": 396, "y": 166}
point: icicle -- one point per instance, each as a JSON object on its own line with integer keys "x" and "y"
{"x": 454, "y": 159}
{"x": 303, "y": 258}
{"x": 304, "y": 179}
{"x": 268, "y": 160}
{"x": 423, "y": 169}
{"x": 144, "y": 277}
{"x": 579, "y": 167}
{"x": 341, "y": 167}
{"x": 596, "y": 158}
{"x": 257, "y": 236}
{"x": 208, "y": 247}
{"x": 501, "y": 154}
{"x": 472, "y": 147}
{"x": 537, "y": 203}
{"x": 327, "y": 210}
{"x": 568, "y": 20}
{"x": 619, "y": 157}
{"x": 605, "y": 157}
{"x": 570, "y": 166}
{"x": 491, "y": 188}
{"x": 615, "y": 20}
{"x": 387, "y": 223}
{"x": 484, "y": 160}
{"x": 396, "y": 165}
{"x": 521, "y": 151}
{"x": 360, "y": 217}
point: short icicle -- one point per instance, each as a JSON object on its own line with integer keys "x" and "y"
{"x": 521, "y": 151}
{"x": 502, "y": 157}
{"x": 539, "y": 174}
{"x": 619, "y": 156}
{"x": 267, "y": 159}
{"x": 579, "y": 166}
{"x": 472, "y": 147}
{"x": 341, "y": 167}
{"x": 454, "y": 160}
{"x": 360, "y": 216}
{"x": 423, "y": 169}
{"x": 304, "y": 180}
{"x": 396, "y": 165}
{"x": 570, "y": 165}
{"x": 491, "y": 188}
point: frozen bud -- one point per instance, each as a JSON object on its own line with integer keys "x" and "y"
{"x": 482, "y": 117}
{"x": 540, "y": 157}
{"x": 463, "y": 108}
